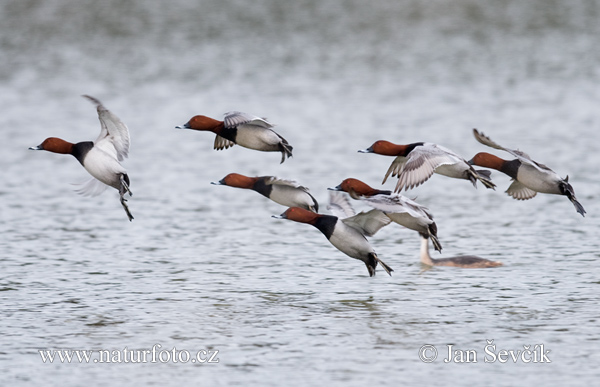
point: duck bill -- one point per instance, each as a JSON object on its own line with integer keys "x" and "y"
{"x": 338, "y": 188}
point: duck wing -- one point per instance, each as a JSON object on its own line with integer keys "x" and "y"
{"x": 522, "y": 156}
{"x": 368, "y": 223}
{"x": 420, "y": 164}
{"x": 519, "y": 191}
{"x": 234, "y": 119}
{"x": 114, "y": 134}
{"x": 222, "y": 143}
{"x": 92, "y": 187}
{"x": 273, "y": 180}
{"x": 340, "y": 205}
{"x": 398, "y": 204}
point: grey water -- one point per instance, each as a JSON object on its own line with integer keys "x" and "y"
{"x": 206, "y": 268}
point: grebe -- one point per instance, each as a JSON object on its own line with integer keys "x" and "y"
{"x": 464, "y": 261}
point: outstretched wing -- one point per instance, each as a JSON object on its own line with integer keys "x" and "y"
{"x": 421, "y": 163}
{"x": 522, "y": 156}
{"x": 368, "y": 223}
{"x": 398, "y": 204}
{"x": 113, "y": 132}
{"x": 340, "y": 205}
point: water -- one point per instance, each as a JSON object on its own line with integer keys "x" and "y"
{"x": 206, "y": 268}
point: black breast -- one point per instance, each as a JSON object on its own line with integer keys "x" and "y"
{"x": 262, "y": 188}
{"x": 412, "y": 146}
{"x": 229, "y": 133}
{"x": 81, "y": 149}
{"x": 326, "y": 224}
{"x": 511, "y": 168}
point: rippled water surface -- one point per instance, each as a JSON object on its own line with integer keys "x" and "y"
{"x": 204, "y": 267}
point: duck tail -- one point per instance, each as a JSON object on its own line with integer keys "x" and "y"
{"x": 434, "y": 239}
{"x": 286, "y": 150}
{"x": 568, "y": 191}
{"x": 372, "y": 264}
{"x": 484, "y": 176}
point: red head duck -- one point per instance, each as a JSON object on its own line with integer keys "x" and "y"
{"x": 347, "y": 231}
{"x": 101, "y": 158}
{"x": 529, "y": 177}
{"x": 398, "y": 208}
{"x": 285, "y": 192}
{"x": 415, "y": 163}
{"x": 243, "y": 129}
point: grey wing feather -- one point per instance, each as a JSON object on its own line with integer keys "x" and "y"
{"x": 112, "y": 126}
{"x": 273, "y": 180}
{"x": 519, "y": 191}
{"x": 398, "y": 204}
{"x": 222, "y": 143}
{"x": 368, "y": 223}
{"x": 485, "y": 140}
{"x": 395, "y": 168}
{"x": 421, "y": 165}
{"x": 340, "y": 205}
{"x": 234, "y": 119}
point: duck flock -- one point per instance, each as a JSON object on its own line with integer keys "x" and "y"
{"x": 413, "y": 164}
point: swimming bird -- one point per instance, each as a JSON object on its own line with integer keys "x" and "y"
{"x": 285, "y": 192}
{"x": 398, "y": 208}
{"x": 243, "y": 129}
{"x": 529, "y": 177}
{"x": 101, "y": 158}
{"x": 464, "y": 261}
{"x": 415, "y": 163}
{"x": 346, "y": 231}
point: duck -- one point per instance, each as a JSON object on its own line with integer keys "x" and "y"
{"x": 285, "y": 192}
{"x": 464, "y": 261}
{"x": 244, "y": 129}
{"x": 100, "y": 158}
{"x": 415, "y": 163}
{"x": 400, "y": 209}
{"x": 528, "y": 177}
{"x": 345, "y": 230}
